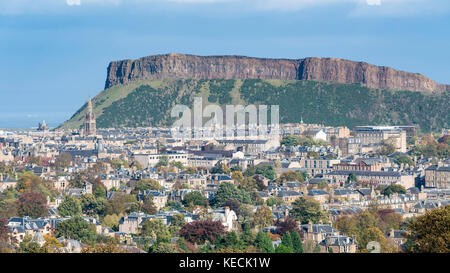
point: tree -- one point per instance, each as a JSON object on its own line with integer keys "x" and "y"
{"x": 229, "y": 241}
{"x": 29, "y": 246}
{"x": 289, "y": 141}
{"x": 177, "y": 220}
{"x": 78, "y": 229}
{"x": 148, "y": 206}
{"x": 394, "y": 188}
{"x": 287, "y": 225}
{"x": 163, "y": 161}
{"x": 273, "y": 201}
{"x": 63, "y": 160}
{"x": 297, "y": 244}
{"x": 287, "y": 240}
{"x": 156, "y": 227}
{"x": 177, "y": 164}
{"x": 312, "y": 154}
{"x": 430, "y": 233}
{"x": 100, "y": 192}
{"x": 307, "y": 209}
{"x": 195, "y": 198}
{"x": 263, "y": 242}
{"x": 351, "y": 178}
{"x": 234, "y": 205}
{"x": 147, "y": 184}
{"x": 404, "y": 159}
{"x": 33, "y": 204}
{"x": 121, "y": 204}
{"x": 91, "y": 205}
{"x": 374, "y": 234}
{"x": 221, "y": 168}
{"x": 4, "y": 235}
{"x": 263, "y": 217}
{"x": 290, "y": 176}
{"x": 228, "y": 191}
{"x": 281, "y": 248}
{"x": 310, "y": 246}
{"x": 200, "y": 231}
{"x": 164, "y": 247}
{"x": 387, "y": 147}
{"x": 71, "y": 206}
{"x": 103, "y": 248}
{"x": 248, "y": 184}
{"x": 112, "y": 221}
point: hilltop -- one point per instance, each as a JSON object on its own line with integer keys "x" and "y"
{"x": 182, "y": 66}
{"x": 148, "y": 102}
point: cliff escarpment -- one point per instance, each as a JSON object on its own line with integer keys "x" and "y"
{"x": 181, "y": 66}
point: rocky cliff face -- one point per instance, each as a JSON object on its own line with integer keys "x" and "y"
{"x": 180, "y": 66}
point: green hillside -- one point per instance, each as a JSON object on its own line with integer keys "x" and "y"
{"x": 148, "y": 103}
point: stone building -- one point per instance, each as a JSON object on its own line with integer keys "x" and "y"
{"x": 437, "y": 176}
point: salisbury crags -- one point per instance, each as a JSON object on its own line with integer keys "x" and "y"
{"x": 181, "y": 66}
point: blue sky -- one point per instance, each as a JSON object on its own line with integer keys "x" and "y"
{"x": 54, "y": 53}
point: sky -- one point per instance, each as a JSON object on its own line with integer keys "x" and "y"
{"x": 54, "y": 53}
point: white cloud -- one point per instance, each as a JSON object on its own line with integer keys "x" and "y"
{"x": 73, "y": 2}
{"x": 373, "y": 2}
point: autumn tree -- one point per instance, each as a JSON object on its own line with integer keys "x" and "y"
{"x": 263, "y": 217}
{"x": 430, "y": 233}
{"x": 288, "y": 224}
{"x": 147, "y": 184}
{"x": 33, "y": 204}
{"x": 221, "y": 168}
{"x": 308, "y": 209}
{"x": 63, "y": 160}
{"x": 156, "y": 228}
{"x": 200, "y": 231}
{"x": 290, "y": 176}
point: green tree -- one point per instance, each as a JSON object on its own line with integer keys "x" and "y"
{"x": 351, "y": 178}
{"x": 287, "y": 240}
{"x": 289, "y": 141}
{"x": 394, "y": 188}
{"x": 195, "y": 198}
{"x": 297, "y": 244}
{"x": 112, "y": 221}
{"x": 70, "y": 206}
{"x": 228, "y": 191}
{"x": 264, "y": 243}
{"x": 163, "y": 161}
{"x": 156, "y": 227}
{"x": 78, "y": 229}
{"x": 404, "y": 159}
{"x": 91, "y": 205}
{"x": 281, "y": 248}
{"x": 308, "y": 209}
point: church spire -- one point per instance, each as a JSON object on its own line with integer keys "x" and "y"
{"x": 89, "y": 121}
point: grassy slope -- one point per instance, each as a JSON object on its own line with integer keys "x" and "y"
{"x": 148, "y": 103}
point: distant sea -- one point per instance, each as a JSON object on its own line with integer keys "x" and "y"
{"x": 31, "y": 120}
